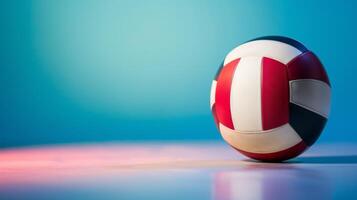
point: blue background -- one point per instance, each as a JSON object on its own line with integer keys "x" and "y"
{"x": 84, "y": 70}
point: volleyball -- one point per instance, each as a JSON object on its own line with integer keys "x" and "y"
{"x": 270, "y": 98}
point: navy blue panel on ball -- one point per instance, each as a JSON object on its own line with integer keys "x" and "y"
{"x": 286, "y": 40}
{"x": 306, "y": 123}
{"x": 219, "y": 71}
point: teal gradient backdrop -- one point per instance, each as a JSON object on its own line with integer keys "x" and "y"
{"x": 137, "y": 70}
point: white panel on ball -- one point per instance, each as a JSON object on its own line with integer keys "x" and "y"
{"x": 276, "y": 50}
{"x": 245, "y": 96}
{"x": 269, "y": 141}
{"x": 213, "y": 93}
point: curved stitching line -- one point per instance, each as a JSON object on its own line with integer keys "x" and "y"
{"x": 256, "y": 132}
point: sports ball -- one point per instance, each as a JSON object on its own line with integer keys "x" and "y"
{"x": 271, "y": 98}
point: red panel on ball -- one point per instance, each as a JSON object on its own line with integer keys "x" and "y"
{"x": 307, "y": 66}
{"x": 223, "y": 94}
{"x": 274, "y": 94}
{"x": 277, "y": 156}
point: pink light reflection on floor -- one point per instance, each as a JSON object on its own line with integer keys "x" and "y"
{"x": 59, "y": 162}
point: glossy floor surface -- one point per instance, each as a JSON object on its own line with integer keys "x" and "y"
{"x": 174, "y": 170}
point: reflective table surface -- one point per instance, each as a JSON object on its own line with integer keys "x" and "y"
{"x": 174, "y": 170}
